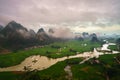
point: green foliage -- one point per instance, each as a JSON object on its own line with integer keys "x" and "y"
{"x": 86, "y": 71}
{"x": 8, "y": 76}
{"x": 16, "y": 57}
{"x": 113, "y": 47}
{"x": 107, "y": 66}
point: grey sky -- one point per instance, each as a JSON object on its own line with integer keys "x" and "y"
{"x": 61, "y": 13}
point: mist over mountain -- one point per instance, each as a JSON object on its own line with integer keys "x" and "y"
{"x": 15, "y": 36}
{"x": 61, "y": 33}
{"x": 77, "y": 15}
{"x": 13, "y": 30}
{"x": 42, "y": 35}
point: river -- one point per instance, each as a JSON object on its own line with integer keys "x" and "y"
{"x": 41, "y": 62}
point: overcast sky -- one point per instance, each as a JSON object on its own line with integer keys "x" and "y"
{"x": 78, "y": 15}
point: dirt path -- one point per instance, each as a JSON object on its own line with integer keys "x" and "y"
{"x": 67, "y": 69}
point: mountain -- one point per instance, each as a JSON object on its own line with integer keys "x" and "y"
{"x": 1, "y": 27}
{"x": 13, "y": 30}
{"x": 85, "y": 35}
{"x": 16, "y": 30}
{"x": 42, "y": 35}
{"x": 94, "y": 38}
{"x": 32, "y": 33}
{"x": 15, "y": 36}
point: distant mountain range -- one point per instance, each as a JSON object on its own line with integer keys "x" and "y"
{"x": 15, "y": 36}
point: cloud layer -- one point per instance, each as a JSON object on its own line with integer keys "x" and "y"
{"x": 82, "y": 13}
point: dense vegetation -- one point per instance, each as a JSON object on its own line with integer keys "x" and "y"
{"x": 54, "y": 50}
{"x": 106, "y": 69}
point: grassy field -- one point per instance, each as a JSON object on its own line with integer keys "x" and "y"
{"x": 86, "y": 71}
{"x": 96, "y": 71}
{"x": 54, "y": 50}
{"x": 8, "y": 76}
{"x": 55, "y": 72}
{"x": 113, "y": 47}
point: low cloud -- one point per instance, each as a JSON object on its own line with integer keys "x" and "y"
{"x": 61, "y": 33}
{"x": 32, "y": 12}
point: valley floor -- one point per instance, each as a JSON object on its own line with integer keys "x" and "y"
{"x": 105, "y": 67}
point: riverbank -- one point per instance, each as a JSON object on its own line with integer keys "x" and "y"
{"x": 85, "y": 71}
{"x": 41, "y": 62}
{"x": 55, "y": 50}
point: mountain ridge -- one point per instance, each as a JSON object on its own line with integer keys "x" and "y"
{"x": 15, "y": 36}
